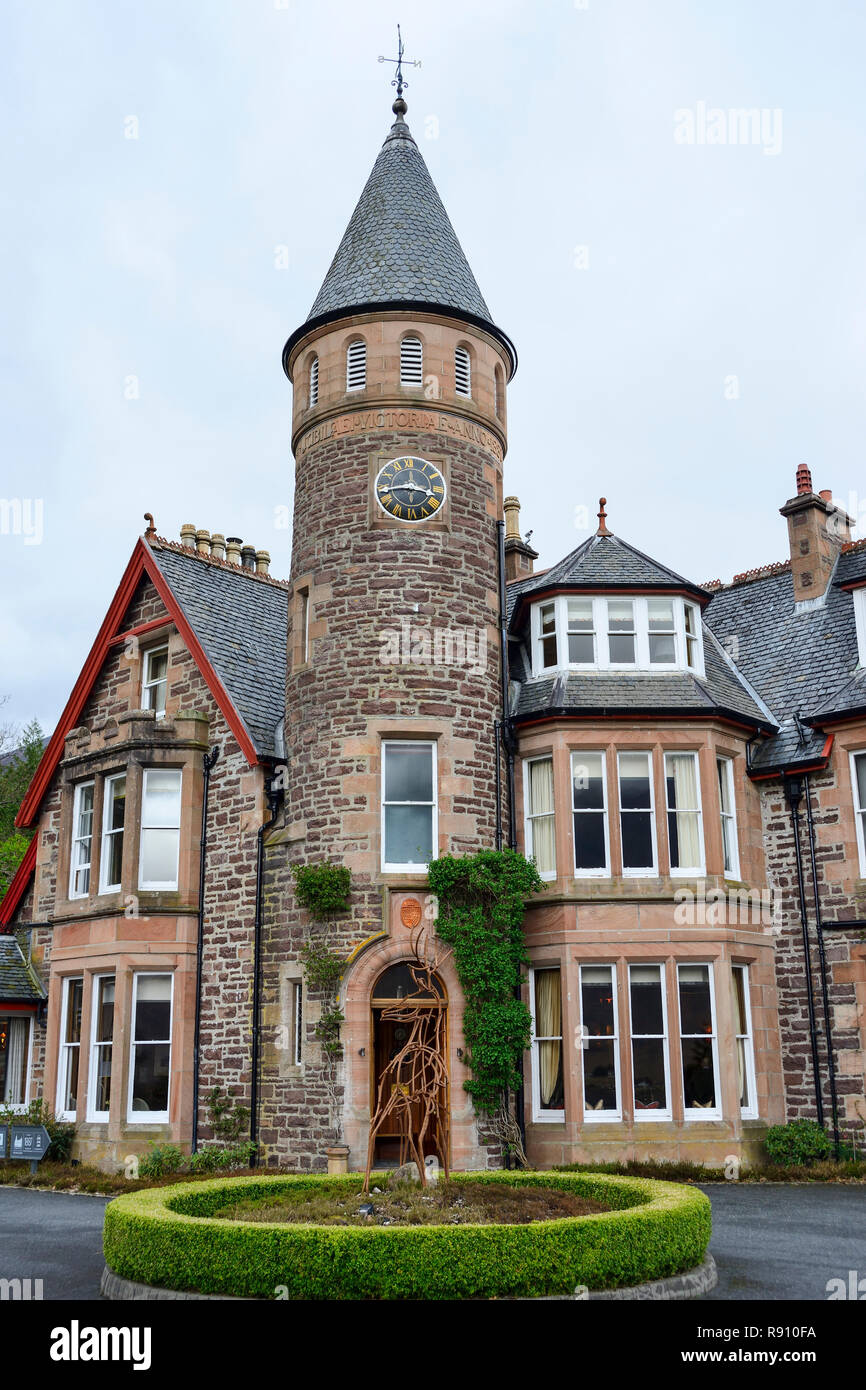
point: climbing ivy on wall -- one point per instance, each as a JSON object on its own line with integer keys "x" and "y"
{"x": 482, "y": 900}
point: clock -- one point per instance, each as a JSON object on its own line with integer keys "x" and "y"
{"x": 410, "y": 489}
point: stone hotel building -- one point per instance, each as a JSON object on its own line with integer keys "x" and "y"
{"x": 686, "y": 763}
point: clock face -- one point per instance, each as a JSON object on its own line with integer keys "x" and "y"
{"x": 410, "y": 489}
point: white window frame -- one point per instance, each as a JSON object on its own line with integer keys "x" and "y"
{"x": 601, "y": 634}
{"x": 95, "y": 1116}
{"x": 149, "y": 1117}
{"x": 298, "y": 1022}
{"x": 581, "y": 665}
{"x": 694, "y": 870}
{"x": 356, "y": 365}
{"x": 108, "y": 833}
{"x": 539, "y": 1114}
{"x": 651, "y": 1116}
{"x": 675, "y": 630}
{"x": 168, "y": 885}
{"x": 602, "y": 1117}
{"x": 411, "y": 362}
{"x": 528, "y": 816}
{"x": 313, "y": 383}
{"x": 18, "y": 1107}
{"x": 731, "y": 816}
{"x": 65, "y": 1047}
{"x": 148, "y": 684}
{"x": 590, "y": 873}
{"x": 387, "y": 743}
{"x": 652, "y": 870}
{"x": 463, "y": 354}
{"x": 304, "y": 596}
{"x": 859, "y": 597}
{"x": 859, "y": 811}
{"x": 79, "y": 839}
{"x": 692, "y": 1113}
{"x": 748, "y": 1112}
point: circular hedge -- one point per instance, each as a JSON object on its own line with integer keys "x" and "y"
{"x": 169, "y": 1237}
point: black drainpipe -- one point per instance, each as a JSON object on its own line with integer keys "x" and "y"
{"x": 207, "y": 763}
{"x": 794, "y": 792}
{"x": 822, "y": 965}
{"x": 497, "y": 745}
{"x": 273, "y": 799}
{"x": 507, "y": 736}
{"x": 508, "y": 739}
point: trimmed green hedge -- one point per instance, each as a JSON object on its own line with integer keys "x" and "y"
{"x": 169, "y": 1237}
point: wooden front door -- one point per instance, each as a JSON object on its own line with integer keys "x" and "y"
{"x": 389, "y": 1036}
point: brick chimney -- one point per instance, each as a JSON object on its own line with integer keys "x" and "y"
{"x": 519, "y": 555}
{"x": 817, "y": 529}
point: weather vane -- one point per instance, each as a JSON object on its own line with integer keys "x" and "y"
{"x": 397, "y": 81}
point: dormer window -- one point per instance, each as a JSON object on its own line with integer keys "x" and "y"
{"x": 591, "y": 632}
{"x": 356, "y": 365}
{"x": 411, "y": 362}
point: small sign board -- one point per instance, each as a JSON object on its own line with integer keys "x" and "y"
{"x": 4, "y": 1141}
{"x": 28, "y": 1141}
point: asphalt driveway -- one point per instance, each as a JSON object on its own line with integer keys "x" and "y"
{"x": 785, "y": 1241}
{"x": 55, "y": 1237}
{"x": 769, "y": 1242}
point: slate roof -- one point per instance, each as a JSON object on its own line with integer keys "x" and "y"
{"x": 608, "y": 562}
{"x": 19, "y": 983}
{"x": 241, "y": 621}
{"x": 399, "y": 246}
{"x": 802, "y": 663}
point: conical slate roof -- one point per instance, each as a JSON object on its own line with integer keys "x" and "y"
{"x": 399, "y": 249}
{"x": 605, "y": 561}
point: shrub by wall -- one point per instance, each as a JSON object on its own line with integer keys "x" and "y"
{"x": 169, "y": 1237}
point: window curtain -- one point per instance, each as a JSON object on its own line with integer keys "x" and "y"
{"x": 16, "y": 1074}
{"x": 541, "y": 809}
{"x": 686, "y": 793}
{"x": 548, "y": 1024}
{"x": 741, "y": 1028}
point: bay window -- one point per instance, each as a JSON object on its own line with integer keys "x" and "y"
{"x": 685, "y": 840}
{"x": 600, "y": 1043}
{"x": 155, "y": 680}
{"x": 731, "y": 858}
{"x": 540, "y": 815}
{"x": 160, "y": 828}
{"x": 589, "y": 815}
{"x": 698, "y": 1045}
{"x": 858, "y": 783}
{"x": 101, "y": 1047}
{"x": 649, "y": 1044}
{"x": 548, "y": 1091}
{"x": 82, "y": 841}
{"x": 70, "y": 1047}
{"x": 644, "y": 632}
{"x": 745, "y": 1042}
{"x": 409, "y": 820}
{"x": 150, "y": 1049}
{"x": 113, "y": 816}
{"x": 16, "y": 1031}
{"x": 637, "y": 813}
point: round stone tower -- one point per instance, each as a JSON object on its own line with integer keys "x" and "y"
{"x": 393, "y": 680}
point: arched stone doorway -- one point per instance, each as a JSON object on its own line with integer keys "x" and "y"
{"x": 359, "y": 1033}
{"x": 390, "y": 992}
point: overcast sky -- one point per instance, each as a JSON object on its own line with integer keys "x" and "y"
{"x": 689, "y": 315}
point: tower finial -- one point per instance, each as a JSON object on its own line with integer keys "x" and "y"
{"x": 398, "y": 81}
{"x": 602, "y": 518}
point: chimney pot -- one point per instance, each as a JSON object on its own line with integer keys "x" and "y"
{"x": 202, "y": 540}
{"x": 187, "y": 535}
{"x": 248, "y": 557}
{"x": 218, "y": 546}
{"x": 804, "y": 480}
{"x": 826, "y": 493}
{"x": 511, "y": 507}
{"x": 233, "y": 549}
{"x": 263, "y": 560}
